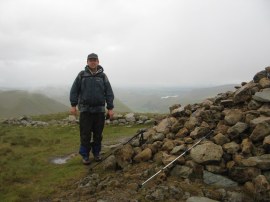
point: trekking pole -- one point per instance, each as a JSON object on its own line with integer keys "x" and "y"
{"x": 141, "y": 131}
{"x": 208, "y": 134}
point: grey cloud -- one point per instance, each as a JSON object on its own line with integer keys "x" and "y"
{"x": 139, "y": 42}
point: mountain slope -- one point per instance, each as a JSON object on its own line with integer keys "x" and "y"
{"x": 17, "y": 102}
{"x": 61, "y": 94}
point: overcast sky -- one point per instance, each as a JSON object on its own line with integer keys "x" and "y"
{"x": 139, "y": 42}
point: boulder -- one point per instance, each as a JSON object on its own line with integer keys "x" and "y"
{"x": 244, "y": 93}
{"x": 199, "y": 132}
{"x": 243, "y": 174}
{"x": 237, "y": 129}
{"x": 264, "y": 82}
{"x": 262, "y": 162}
{"x": 218, "y": 180}
{"x": 206, "y": 153}
{"x": 145, "y": 155}
{"x": 200, "y": 199}
{"x": 124, "y": 155}
{"x": 220, "y": 139}
{"x": 263, "y": 96}
{"x": 165, "y": 124}
{"x": 233, "y": 116}
{"x": 231, "y": 147}
{"x": 260, "y": 132}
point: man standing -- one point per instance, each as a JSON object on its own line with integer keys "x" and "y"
{"x": 90, "y": 90}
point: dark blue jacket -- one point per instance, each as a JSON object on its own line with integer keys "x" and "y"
{"x": 91, "y": 91}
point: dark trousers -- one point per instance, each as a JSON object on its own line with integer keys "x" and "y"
{"x": 91, "y": 123}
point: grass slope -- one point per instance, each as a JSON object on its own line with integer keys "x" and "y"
{"x": 26, "y": 173}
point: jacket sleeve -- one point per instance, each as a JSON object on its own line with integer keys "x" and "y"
{"x": 75, "y": 91}
{"x": 108, "y": 93}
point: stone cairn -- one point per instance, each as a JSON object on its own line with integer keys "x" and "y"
{"x": 130, "y": 119}
{"x": 238, "y": 152}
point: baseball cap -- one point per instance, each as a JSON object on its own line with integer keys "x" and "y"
{"x": 92, "y": 55}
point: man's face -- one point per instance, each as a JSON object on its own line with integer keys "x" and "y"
{"x": 92, "y": 63}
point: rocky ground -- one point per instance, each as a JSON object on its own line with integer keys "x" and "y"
{"x": 233, "y": 164}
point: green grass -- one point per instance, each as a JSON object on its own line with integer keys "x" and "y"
{"x": 26, "y": 173}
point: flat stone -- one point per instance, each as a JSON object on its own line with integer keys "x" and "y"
{"x": 218, "y": 180}
{"x": 263, "y": 96}
{"x": 200, "y": 199}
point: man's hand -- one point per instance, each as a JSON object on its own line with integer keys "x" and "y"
{"x": 110, "y": 114}
{"x": 73, "y": 111}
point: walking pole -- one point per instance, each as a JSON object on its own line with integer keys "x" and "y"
{"x": 141, "y": 131}
{"x": 208, "y": 134}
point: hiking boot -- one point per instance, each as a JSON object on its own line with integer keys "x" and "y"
{"x": 86, "y": 161}
{"x": 98, "y": 158}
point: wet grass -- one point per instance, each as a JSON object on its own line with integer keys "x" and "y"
{"x": 26, "y": 173}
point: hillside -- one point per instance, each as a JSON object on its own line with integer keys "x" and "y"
{"x": 17, "y": 102}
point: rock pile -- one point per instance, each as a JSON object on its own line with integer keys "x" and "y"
{"x": 238, "y": 153}
{"x": 130, "y": 119}
{"x": 24, "y": 121}
{"x": 118, "y": 119}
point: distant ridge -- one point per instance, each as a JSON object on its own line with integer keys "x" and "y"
{"x": 19, "y": 102}
{"x": 61, "y": 94}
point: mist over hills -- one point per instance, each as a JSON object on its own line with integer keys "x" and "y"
{"x": 146, "y": 100}
{"x": 158, "y": 100}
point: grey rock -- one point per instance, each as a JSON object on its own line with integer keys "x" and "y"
{"x": 218, "y": 180}
{"x": 237, "y": 129}
{"x": 263, "y": 96}
{"x": 200, "y": 199}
